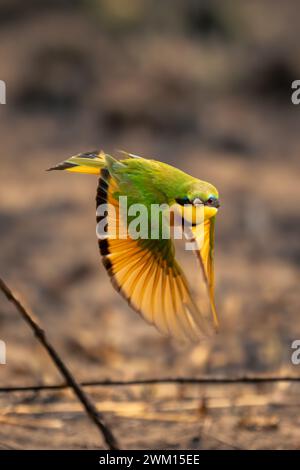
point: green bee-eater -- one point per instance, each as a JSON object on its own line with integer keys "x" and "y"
{"x": 145, "y": 270}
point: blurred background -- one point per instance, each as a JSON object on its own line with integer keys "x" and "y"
{"x": 203, "y": 85}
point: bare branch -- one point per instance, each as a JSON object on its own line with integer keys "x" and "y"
{"x": 207, "y": 380}
{"x": 71, "y": 382}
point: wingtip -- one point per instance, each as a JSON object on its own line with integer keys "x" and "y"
{"x": 216, "y": 323}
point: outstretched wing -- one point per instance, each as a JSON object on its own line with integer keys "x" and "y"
{"x": 204, "y": 236}
{"x": 146, "y": 273}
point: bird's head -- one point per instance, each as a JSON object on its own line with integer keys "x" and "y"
{"x": 198, "y": 195}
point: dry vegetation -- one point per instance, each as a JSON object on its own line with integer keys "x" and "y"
{"x": 202, "y": 85}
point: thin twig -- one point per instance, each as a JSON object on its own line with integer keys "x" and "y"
{"x": 207, "y": 380}
{"x": 90, "y": 408}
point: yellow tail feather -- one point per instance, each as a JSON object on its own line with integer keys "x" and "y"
{"x": 88, "y": 162}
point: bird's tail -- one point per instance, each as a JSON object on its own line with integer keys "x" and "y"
{"x": 88, "y": 162}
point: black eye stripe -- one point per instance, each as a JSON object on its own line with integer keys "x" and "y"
{"x": 183, "y": 201}
{"x": 211, "y": 201}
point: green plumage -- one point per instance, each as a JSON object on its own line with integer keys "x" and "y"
{"x": 143, "y": 268}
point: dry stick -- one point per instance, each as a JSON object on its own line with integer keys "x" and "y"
{"x": 90, "y": 408}
{"x": 217, "y": 380}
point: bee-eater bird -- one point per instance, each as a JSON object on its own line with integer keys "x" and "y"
{"x": 144, "y": 270}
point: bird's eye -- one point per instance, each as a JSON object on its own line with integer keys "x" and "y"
{"x": 213, "y": 201}
{"x": 183, "y": 200}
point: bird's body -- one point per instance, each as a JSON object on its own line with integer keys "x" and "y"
{"x": 144, "y": 268}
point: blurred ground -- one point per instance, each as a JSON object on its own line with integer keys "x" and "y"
{"x": 202, "y": 85}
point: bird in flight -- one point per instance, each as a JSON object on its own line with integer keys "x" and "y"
{"x": 144, "y": 267}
